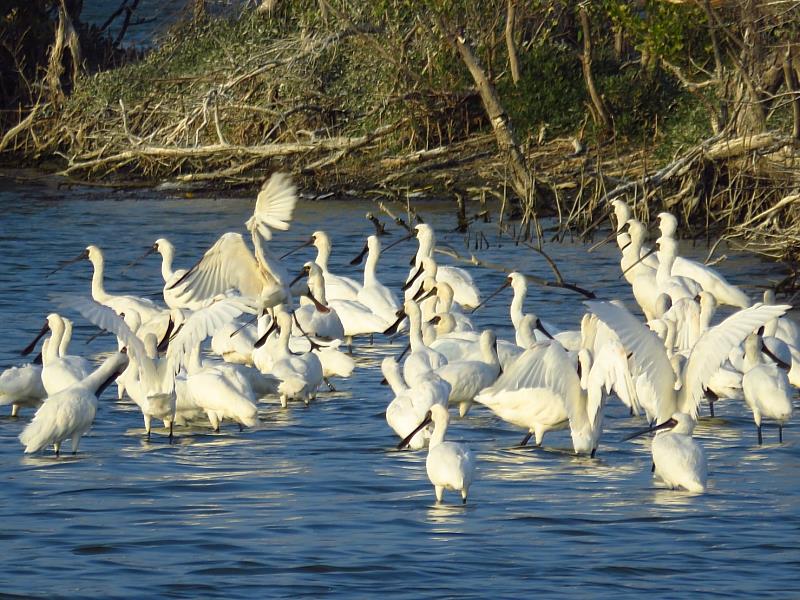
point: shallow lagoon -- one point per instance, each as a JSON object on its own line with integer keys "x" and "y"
{"x": 315, "y": 500}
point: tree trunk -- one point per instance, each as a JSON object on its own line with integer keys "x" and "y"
{"x": 586, "y": 64}
{"x": 513, "y": 59}
{"x": 791, "y": 89}
{"x": 521, "y": 179}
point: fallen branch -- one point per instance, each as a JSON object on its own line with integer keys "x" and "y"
{"x": 264, "y": 151}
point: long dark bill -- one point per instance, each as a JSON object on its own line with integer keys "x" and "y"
{"x": 652, "y": 250}
{"x": 83, "y": 255}
{"x": 392, "y": 329}
{"x": 263, "y": 339}
{"x": 406, "y": 440}
{"x": 413, "y": 278}
{"x": 151, "y": 250}
{"x": 506, "y": 283}
{"x": 357, "y": 260}
{"x": 668, "y": 424}
{"x": 29, "y": 348}
{"x": 308, "y": 242}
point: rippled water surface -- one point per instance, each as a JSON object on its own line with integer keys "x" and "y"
{"x": 315, "y": 501}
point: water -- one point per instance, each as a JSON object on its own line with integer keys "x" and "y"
{"x": 315, "y": 501}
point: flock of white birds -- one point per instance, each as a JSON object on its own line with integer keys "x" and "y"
{"x": 267, "y": 343}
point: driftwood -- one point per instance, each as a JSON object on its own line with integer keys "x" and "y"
{"x": 265, "y": 151}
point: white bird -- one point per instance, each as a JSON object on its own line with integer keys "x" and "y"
{"x": 229, "y": 263}
{"x": 70, "y": 413}
{"x": 146, "y": 309}
{"x": 411, "y": 404}
{"x": 450, "y": 465}
{"x": 221, "y": 391}
{"x": 654, "y": 377}
{"x": 465, "y": 291}
{"x": 172, "y": 292}
{"x": 301, "y": 375}
{"x": 337, "y": 287}
{"x": 22, "y": 387}
{"x": 314, "y": 317}
{"x": 545, "y": 391}
{"x": 766, "y": 388}
{"x": 467, "y": 378}
{"x": 374, "y": 295}
{"x": 706, "y": 277}
{"x": 421, "y": 358}
{"x": 59, "y": 371}
{"x": 678, "y": 459}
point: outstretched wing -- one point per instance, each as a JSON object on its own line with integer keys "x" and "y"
{"x": 649, "y": 355}
{"x": 713, "y": 347}
{"x": 202, "y": 323}
{"x": 106, "y": 319}
{"x": 274, "y": 205}
{"x": 610, "y": 371}
{"x": 228, "y": 264}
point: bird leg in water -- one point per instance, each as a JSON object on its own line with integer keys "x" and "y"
{"x": 171, "y": 436}
{"x": 712, "y": 397}
{"x": 780, "y": 433}
{"x": 652, "y": 467}
{"x": 329, "y": 384}
{"x": 760, "y": 439}
{"x": 526, "y": 438}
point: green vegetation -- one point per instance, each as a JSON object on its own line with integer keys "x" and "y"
{"x": 448, "y": 95}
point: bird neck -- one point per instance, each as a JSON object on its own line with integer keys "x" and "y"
{"x": 323, "y": 254}
{"x": 370, "y": 268}
{"x": 270, "y": 266}
{"x": 752, "y": 354}
{"x": 103, "y": 375}
{"x": 437, "y": 437}
{"x": 316, "y": 284}
{"x": 66, "y": 337}
{"x": 98, "y": 290}
{"x": 517, "y": 303}
{"x": 489, "y": 352}
{"x": 167, "y": 256}
{"x": 425, "y": 250}
{"x": 415, "y": 330}
{"x": 665, "y": 260}
{"x": 51, "y": 352}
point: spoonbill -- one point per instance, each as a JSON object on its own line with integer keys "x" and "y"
{"x": 653, "y": 374}
{"x": 229, "y": 263}
{"x": 450, "y": 465}
{"x": 468, "y": 377}
{"x": 301, "y": 375}
{"x": 70, "y": 413}
{"x": 373, "y": 294}
{"x": 465, "y": 292}
{"x": 22, "y": 387}
{"x": 678, "y": 459}
{"x": 411, "y": 404}
{"x": 766, "y": 388}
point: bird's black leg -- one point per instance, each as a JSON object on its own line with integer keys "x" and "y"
{"x": 780, "y": 433}
{"x": 171, "y": 436}
{"x": 760, "y": 440}
{"x": 526, "y": 438}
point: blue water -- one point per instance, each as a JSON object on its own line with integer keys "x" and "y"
{"x": 315, "y": 501}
